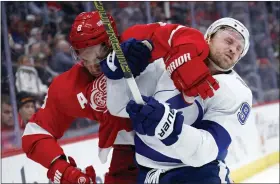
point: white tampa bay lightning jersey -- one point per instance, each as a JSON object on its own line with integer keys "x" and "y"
{"x": 208, "y": 124}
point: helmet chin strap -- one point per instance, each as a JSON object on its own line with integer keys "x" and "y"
{"x": 212, "y": 63}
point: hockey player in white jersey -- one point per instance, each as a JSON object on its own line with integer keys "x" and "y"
{"x": 177, "y": 142}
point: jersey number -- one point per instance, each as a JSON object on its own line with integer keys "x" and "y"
{"x": 244, "y": 112}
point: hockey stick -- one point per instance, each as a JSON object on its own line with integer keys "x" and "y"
{"x": 116, "y": 46}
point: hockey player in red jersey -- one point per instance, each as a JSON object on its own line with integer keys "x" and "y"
{"x": 81, "y": 92}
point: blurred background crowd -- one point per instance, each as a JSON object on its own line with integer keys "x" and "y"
{"x": 38, "y": 41}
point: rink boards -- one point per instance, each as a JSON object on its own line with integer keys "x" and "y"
{"x": 248, "y": 155}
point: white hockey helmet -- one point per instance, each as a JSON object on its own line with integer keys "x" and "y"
{"x": 233, "y": 23}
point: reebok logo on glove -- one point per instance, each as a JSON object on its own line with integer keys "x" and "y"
{"x": 178, "y": 62}
{"x": 82, "y": 180}
{"x": 165, "y": 126}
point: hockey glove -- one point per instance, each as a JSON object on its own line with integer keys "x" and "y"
{"x": 189, "y": 73}
{"x": 156, "y": 119}
{"x": 137, "y": 54}
{"x": 63, "y": 172}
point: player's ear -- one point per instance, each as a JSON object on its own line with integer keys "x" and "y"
{"x": 208, "y": 39}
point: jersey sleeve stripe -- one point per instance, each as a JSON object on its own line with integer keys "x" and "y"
{"x": 219, "y": 133}
{"x": 172, "y": 34}
{"x": 33, "y": 128}
{"x": 150, "y": 153}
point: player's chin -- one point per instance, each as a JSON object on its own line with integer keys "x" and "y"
{"x": 94, "y": 71}
{"x": 226, "y": 64}
{"x": 229, "y": 62}
{"x": 96, "y": 74}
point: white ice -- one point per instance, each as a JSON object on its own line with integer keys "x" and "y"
{"x": 270, "y": 175}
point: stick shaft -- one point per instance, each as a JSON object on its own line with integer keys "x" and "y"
{"x": 119, "y": 53}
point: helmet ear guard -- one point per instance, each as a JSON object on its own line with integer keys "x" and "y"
{"x": 75, "y": 54}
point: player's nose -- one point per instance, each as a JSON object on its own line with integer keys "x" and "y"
{"x": 232, "y": 50}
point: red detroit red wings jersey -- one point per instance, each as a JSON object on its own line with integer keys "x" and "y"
{"x": 65, "y": 101}
{"x": 71, "y": 95}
